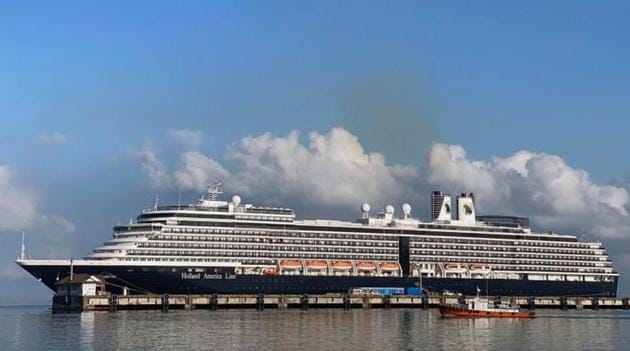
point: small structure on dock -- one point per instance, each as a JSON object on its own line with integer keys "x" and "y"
{"x": 81, "y": 285}
{"x": 72, "y": 289}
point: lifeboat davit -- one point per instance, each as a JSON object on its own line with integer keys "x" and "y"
{"x": 291, "y": 264}
{"x": 342, "y": 265}
{"x": 316, "y": 265}
{"x": 479, "y": 267}
{"x": 455, "y": 266}
{"x": 366, "y": 266}
{"x": 389, "y": 266}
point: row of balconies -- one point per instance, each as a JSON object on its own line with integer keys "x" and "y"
{"x": 255, "y": 255}
{"x": 550, "y": 255}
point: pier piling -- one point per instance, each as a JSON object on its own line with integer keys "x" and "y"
{"x": 260, "y": 302}
{"x": 113, "y": 303}
{"x": 304, "y": 302}
{"x": 214, "y": 302}
{"x": 166, "y": 302}
{"x": 595, "y": 303}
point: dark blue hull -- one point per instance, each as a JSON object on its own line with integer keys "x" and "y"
{"x": 221, "y": 280}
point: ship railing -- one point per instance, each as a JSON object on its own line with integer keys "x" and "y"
{"x": 256, "y": 210}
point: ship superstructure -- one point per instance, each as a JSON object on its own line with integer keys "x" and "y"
{"x": 263, "y": 249}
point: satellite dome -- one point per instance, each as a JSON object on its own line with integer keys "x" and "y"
{"x": 389, "y": 209}
{"x": 406, "y": 208}
{"x": 236, "y": 200}
{"x": 365, "y": 208}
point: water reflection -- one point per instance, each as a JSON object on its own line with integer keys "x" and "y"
{"x": 86, "y": 330}
{"x": 371, "y": 329}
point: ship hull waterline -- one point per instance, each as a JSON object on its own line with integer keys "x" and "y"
{"x": 223, "y": 280}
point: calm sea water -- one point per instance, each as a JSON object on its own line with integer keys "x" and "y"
{"x": 35, "y": 328}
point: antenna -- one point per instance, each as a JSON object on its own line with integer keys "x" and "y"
{"x": 23, "y": 249}
{"x": 179, "y": 198}
{"x": 215, "y": 190}
{"x": 157, "y": 200}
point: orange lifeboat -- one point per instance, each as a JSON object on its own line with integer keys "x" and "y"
{"x": 479, "y": 266}
{"x": 270, "y": 271}
{"x": 366, "y": 266}
{"x": 342, "y": 265}
{"x": 389, "y": 266}
{"x": 316, "y": 265}
{"x": 291, "y": 264}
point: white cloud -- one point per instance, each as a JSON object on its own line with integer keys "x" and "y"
{"x": 197, "y": 171}
{"x": 54, "y": 223}
{"x": 19, "y": 212}
{"x": 153, "y": 168}
{"x": 53, "y": 138}
{"x": 332, "y": 173}
{"x": 536, "y": 184}
{"x": 333, "y": 169}
{"x": 17, "y": 203}
{"x": 189, "y": 138}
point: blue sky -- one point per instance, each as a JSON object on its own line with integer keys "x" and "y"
{"x": 111, "y": 78}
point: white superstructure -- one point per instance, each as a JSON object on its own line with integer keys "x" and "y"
{"x": 259, "y": 240}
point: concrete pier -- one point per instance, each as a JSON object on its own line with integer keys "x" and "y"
{"x": 213, "y": 302}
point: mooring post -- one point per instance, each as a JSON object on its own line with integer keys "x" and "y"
{"x": 595, "y": 303}
{"x": 387, "y": 301}
{"x": 531, "y": 302}
{"x": 304, "y": 301}
{"x": 260, "y": 302}
{"x": 425, "y": 301}
{"x": 563, "y": 303}
{"x": 366, "y": 301}
{"x": 189, "y": 302}
{"x": 346, "y": 301}
{"x": 165, "y": 302}
{"x": 113, "y": 303}
{"x": 214, "y": 302}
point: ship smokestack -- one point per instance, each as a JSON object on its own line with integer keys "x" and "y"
{"x": 466, "y": 208}
{"x": 440, "y": 206}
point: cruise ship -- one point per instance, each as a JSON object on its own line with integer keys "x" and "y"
{"x": 228, "y": 247}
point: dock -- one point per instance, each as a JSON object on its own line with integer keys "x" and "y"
{"x": 213, "y": 302}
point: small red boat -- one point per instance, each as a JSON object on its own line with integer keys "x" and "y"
{"x": 480, "y": 308}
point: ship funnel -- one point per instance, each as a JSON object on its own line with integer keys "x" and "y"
{"x": 466, "y": 208}
{"x": 440, "y": 206}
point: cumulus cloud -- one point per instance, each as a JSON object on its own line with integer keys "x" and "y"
{"x": 17, "y": 203}
{"x": 331, "y": 173}
{"x": 189, "y": 138}
{"x": 19, "y": 211}
{"x": 332, "y": 169}
{"x": 197, "y": 171}
{"x": 153, "y": 167}
{"x": 536, "y": 184}
{"x": 53, "y": 138}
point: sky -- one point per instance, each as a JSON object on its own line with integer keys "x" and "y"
{"x": 318, "y": 106}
